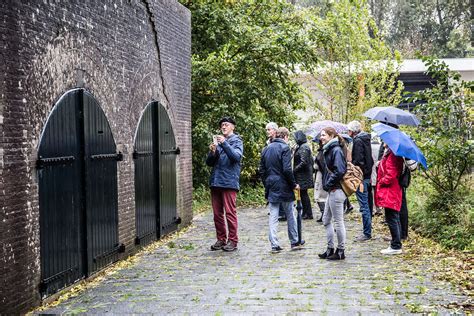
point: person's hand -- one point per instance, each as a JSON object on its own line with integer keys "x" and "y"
{"x": 212, "y": 148}
{"x": 220, "y": 139}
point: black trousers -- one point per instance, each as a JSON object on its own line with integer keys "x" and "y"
{"x": 321, "y": 205}
{"x": 404, "y": 216}
{"x": 306, "y": 202}
{"x": 393, "y": 221}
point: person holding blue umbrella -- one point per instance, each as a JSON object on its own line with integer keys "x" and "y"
{"x": 388, "y": 194}
{"x": 398, "y": 146}
{"x": 393, "y": 117}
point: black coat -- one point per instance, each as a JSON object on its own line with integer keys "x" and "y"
{"x": 362, "y": 153}
{"x": 275, "y": 171}
{"x": 335, "y": 161}
{"x": 303, "y": 162}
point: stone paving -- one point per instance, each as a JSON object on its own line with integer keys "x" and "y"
{"x": 184, "y": 277}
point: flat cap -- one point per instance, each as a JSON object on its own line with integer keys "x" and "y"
{"x": 226, "y": 119}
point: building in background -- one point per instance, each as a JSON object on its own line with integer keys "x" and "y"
{"x": 412, "y": 74}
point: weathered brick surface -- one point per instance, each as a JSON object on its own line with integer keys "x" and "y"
{"x": 126, "y": 53}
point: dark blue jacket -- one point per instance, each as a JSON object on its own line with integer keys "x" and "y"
{"x": 225, "y": 163}
{"x": 276, "y": 173}
{"x": 336, "y": 163}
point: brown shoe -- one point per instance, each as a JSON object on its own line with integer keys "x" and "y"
{"x": 218, "y": 245}
{"x": 231, "y": 246}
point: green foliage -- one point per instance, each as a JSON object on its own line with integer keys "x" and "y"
{"x": 443, "y": 206}
{"x": 448, "y": 219}
{"x": 441, "y": 28}
{"x": 246, "y": 54}
{"x": 248, "y": 196}
{"x": 444, "y": 135}
{"x": 359, "y": 70}
{"x": 243, "y": 57}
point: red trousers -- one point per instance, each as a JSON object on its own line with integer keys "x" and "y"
{"x": 225, "y": 212}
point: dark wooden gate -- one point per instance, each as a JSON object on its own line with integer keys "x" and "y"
{"x": 77, "y": 176}
{"x": 155, "y": 175}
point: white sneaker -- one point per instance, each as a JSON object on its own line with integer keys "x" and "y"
{"x": 390, "y": 251}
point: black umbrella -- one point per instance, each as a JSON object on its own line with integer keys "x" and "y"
{"x": 299, "y": 209}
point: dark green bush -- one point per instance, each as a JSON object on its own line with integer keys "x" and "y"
{"x": 248, "y": 196}
{"x": 447, "y": 219}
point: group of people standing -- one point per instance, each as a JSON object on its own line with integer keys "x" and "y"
{"x": 284, "y": 170}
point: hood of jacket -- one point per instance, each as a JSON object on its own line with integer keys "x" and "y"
{"x": 330, "y": 144}
{"x": 364, "y": 136}
{"x": 300, "y": 137}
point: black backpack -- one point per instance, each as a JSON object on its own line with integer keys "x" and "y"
{"x": 405, "y": 177}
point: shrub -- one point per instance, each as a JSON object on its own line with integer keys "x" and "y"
{"x": 448, "y": 219}
{"x": 443, "y": 203}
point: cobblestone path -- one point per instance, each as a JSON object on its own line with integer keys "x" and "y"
{"x": 184, "y": 277}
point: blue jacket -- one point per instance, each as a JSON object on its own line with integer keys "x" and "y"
{"x": 226, "y": 164}
{"x": 275, "y": 170}
{"x": 336, "y": 163}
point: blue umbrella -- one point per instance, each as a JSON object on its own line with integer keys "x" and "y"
{"x": 390, "y": 114}
{"x": 400, "y": 143}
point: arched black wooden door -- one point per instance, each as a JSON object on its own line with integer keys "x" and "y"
{"x": 155, "y": 175}
{"x": 167, "y": 169}
{"x": 60, "y": 197}
{"x": 101, "y": 187}
{"x": 77, "y": 177}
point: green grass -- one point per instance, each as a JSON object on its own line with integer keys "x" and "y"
{"x": 447, "y": 219}
{"x": 248, "y": 196}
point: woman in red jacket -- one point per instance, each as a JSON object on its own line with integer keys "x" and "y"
{"x": 389, "y": 195}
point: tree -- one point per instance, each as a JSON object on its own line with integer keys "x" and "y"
{"x": 445, "y": 137}
{"x": 442, "y": 28}
{"x": 244, "y": 55}
{"x": 445, "y": 132}
{"x": 359, "y": 70}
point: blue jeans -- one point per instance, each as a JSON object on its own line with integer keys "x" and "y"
{"x": 363, "y": 199}
{"x": 273, "y": 223}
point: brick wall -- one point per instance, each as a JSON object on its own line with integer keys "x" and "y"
{"x": 126, "y": 53}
